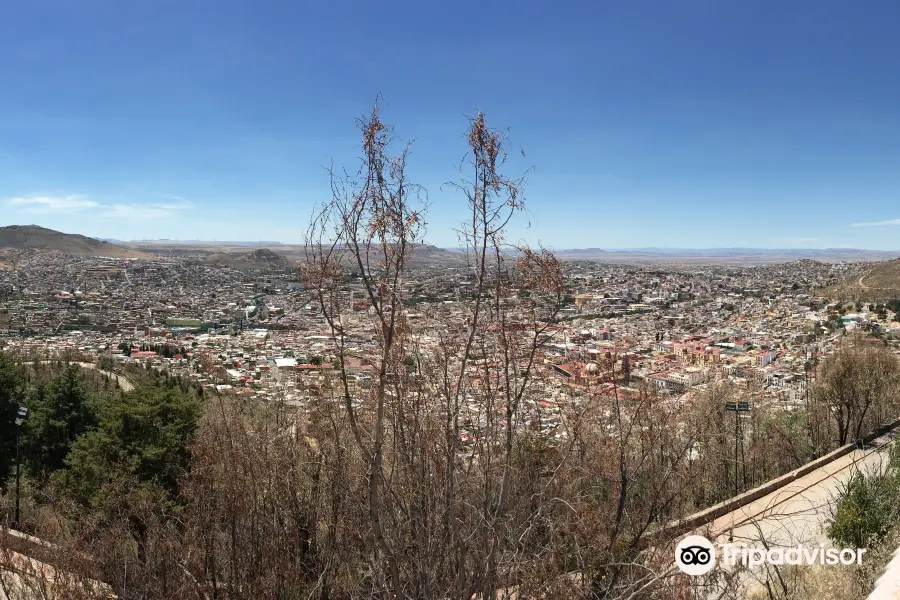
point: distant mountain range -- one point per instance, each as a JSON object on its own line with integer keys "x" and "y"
{"x": 167, "y": 242}
{"x": 736, "y": 256}
{"x": 736, "y": 250}
{"x": 20, "y": 237}
{"x": 421, "y": 254}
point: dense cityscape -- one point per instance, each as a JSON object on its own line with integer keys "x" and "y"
{"x": 260, "y": 333}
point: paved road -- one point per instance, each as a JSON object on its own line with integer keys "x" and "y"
{"x": 124, "y": 383}
{"x": 797, "y": 513}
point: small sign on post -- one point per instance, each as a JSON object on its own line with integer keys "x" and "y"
{"x": 737, "y": 406}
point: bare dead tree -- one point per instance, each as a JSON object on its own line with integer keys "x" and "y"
{"x": 857, "y": 387}
{"x": 409, "y": 436}
{"x": 372, "y": 222}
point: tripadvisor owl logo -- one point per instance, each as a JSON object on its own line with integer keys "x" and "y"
{"x": 695, "y": 555}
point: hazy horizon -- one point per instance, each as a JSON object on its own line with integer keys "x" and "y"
{"x": 659, "y": 249}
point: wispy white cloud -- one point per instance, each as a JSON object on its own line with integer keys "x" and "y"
{"x": 48, "y": 205}
{"x": 886, "y": 223}
{"x": 144, "y": 211}
{"x": 51, "y": 204}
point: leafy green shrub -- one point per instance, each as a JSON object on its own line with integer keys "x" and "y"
{"x": 867, "y": 507}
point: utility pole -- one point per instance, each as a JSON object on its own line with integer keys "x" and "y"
{"x": 737, "y": 408}
{"x": 736, "y": 481}
{"x": 809, "y": 423}
{"x": 21, "y": 417}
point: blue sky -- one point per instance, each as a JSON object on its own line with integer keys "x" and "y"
{"x": 696, "y": 123}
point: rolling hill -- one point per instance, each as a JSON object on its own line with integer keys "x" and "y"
{"x": 881, "y": 282}
{"x": 261, "y": 259}
{"x": 33, "y": 237}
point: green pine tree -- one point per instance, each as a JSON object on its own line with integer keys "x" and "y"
{"x": 60, "y": 412}
{"x": 11, "y": 392}
{"x": 141, "y": 436}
